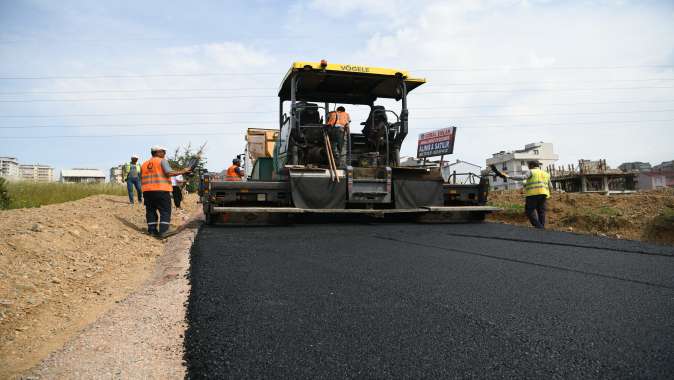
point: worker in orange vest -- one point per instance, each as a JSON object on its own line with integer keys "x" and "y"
{"x": 234, "y": 171}
{"x": 339, "y": 120}
{"x": 155, "y": 179}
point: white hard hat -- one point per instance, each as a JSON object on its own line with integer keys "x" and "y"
{"x": 157, "y": 148}
{"x": 134, "y": 156}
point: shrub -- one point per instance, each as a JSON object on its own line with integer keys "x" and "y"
{"x": 4, "y": 194}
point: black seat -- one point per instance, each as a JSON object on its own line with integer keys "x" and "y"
{"x": 308, "y": 113}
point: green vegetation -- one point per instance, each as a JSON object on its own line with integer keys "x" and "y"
{"x": 23, "y": 194}
{"x": 664, "y": 220}
{"x": 4, "y": 194}
{"x": 608, "y": 211}
{"x": 181, "y": 160}
{"x": 510, "y": 208}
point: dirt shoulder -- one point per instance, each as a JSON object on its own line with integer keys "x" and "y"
{"x": 646, "y": 216}
{"x": 140, "y": 337}
{"x": 62, "y": 266}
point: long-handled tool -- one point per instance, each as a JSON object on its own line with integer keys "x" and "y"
{"x": 498, "y": 173}
{"x": 327, "y": 154}
{"x": 332, "y": 158}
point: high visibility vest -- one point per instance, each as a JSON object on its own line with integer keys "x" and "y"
{"x": 232, "y": 175}
{"x": 339, "y": 119}
{"x": 126, "y": 169}
{"x": 152, "y": 176}
{"x": 538, "y": 183}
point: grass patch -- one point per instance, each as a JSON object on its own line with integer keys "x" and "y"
{"x": 665, "y": 218}
{"x": 24, "y": 194}
{"x": 661, "y": 228}
{"x": 608, "y": 211}
{"x": 510, "y": 208}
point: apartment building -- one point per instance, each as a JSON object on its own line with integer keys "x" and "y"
{"x": 9, "y": 168}
{"x": 37, "y": 173}
{"x": 513, "y": 162}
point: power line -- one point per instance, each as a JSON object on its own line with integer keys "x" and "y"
{"x": 207, "y": 74}
{"x": 133, "y": 90}
{"x": 268, "y": 122}
{"x": 274, "y": 89}
{"x": 544, "y": 114}
{"x": 197, "y": 133}
{"x": 483, "y": 91}
{"x": 412, "y": 108}
{"x": 526, "y": 68}
{"x": 135, "y": 99}
{"x": 547, "y": 104}
{"x": 122, "y": 76}
{"x": 138, "y": 114}
{"x": 274, "y": 96}
{"x": 549, "y": 82}
{"x": 138, "y": 125}
{"x": 154, "y": 135}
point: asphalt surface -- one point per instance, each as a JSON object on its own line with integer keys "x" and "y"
{"x": 427, "y": 301}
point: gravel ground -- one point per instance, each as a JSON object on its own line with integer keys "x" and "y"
{"x": 140, "y": 338}
{"x": 64, "y": 265}
{"x": 427, "y": 301}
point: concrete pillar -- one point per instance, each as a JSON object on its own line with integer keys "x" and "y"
{"x": 583, "y": 184}
{"x": 604, "y": 180}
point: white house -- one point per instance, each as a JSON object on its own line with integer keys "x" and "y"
{"x": 82, "y": 176}
{"x": 651, "y": 181}
{"x": 463, "y": 171}
{"x": 9, "y": 168}
{"x": 513, "y": 163}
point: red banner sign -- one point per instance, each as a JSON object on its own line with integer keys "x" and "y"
{"x": 436, "y": 143}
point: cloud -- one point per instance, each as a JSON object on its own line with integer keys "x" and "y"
{"x": 529, "y": 58}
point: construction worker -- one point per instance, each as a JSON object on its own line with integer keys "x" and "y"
{"x": 537, "y": 187}
{"x": 339, "y": 120}
{"x": 155, "y": 177}
{"x": 177, "y": 183}
{"x": 234, "y": 171}
{"x": 131, "y": 175}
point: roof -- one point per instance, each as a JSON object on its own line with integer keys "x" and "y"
{"x": 82, "y": 173}
{"x": 342, "y": 83}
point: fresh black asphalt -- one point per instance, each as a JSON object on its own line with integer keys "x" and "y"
{"x": 427, "y": 301}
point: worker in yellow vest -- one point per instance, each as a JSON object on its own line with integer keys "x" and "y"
{"x": 537, "y": 187}
{"x": 131, "y": 175}
{"x": 155, "y": 179}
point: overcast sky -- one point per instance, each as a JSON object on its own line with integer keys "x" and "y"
{"x": 86, "y": 84}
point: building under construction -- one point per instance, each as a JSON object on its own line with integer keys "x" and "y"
{"x": 591, "y": 177}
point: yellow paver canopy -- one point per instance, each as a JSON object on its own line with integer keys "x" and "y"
{"x": 341, "y": 83}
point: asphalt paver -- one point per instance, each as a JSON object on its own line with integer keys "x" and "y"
{"x": 427, "y": 301}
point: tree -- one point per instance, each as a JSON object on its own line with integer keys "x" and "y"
{"x": 183, "y": 157}
{"x": 4, "y": 194}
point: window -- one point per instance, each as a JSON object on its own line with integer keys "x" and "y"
{"x": 505, "y": 166}
{"x": 536, "y": 151}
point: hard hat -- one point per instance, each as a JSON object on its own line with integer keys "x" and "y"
{"x": 157, "y": 148}
{"x": 134, "y": 156}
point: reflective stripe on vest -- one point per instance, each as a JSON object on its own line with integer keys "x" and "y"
{"x": 152, "y": 176}
{"x": 338, "y": 118}
{"x": 232, "y": 175}
{"x": 537, "y": 183}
